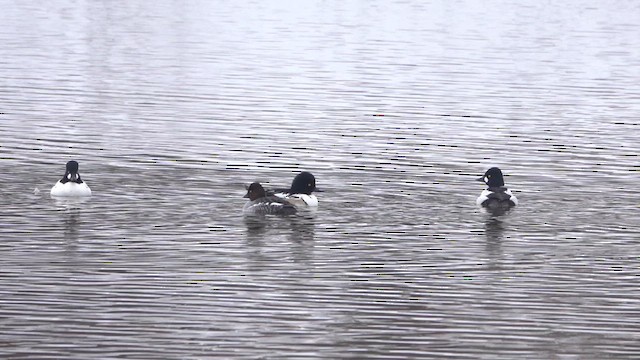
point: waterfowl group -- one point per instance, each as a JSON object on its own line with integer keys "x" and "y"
{"x": 496, "y": 198}
{"x": 282, "y": 201}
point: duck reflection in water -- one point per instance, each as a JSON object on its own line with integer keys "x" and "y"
{"x": 301, "y": 227}
{"x": 71, "y": 209}
{"x": 494, "y": 233}
{"x": 302, "y": 236}
{"x": 265, "y": 235}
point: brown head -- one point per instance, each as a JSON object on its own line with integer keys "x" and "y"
{"x": 255, "y": 191}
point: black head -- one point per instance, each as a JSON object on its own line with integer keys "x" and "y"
{"x": 255, "y": 191}
{"x": 71, "y": 173}
{"x": 72, "y": 167}
{"x": 493, "y": 178}
{"x": 303, "y": 183}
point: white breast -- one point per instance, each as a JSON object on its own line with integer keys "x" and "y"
{"x": 70, "y": 189}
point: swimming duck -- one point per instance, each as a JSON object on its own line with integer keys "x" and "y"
{"x": 300, "y": 193}
{"x": 261, "y": 204}
{"x": 71, "y": 185}
{"x": 496, "y": 198}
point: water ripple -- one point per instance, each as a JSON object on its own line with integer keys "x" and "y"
{"x": 396, "y": 108}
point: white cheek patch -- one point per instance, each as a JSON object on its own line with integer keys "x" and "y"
{"x": 486, "y": 179}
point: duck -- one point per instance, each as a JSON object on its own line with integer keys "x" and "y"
{"x": 300, "y": 192}
{"x": 497, "y": 198}
{"x": 71, "y": 185}
{"x": 262, "y": 204}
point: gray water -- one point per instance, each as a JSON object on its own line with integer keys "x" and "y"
{"x": 171, "y": 107}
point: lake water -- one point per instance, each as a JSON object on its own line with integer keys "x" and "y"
{"x": 171, "y": 107}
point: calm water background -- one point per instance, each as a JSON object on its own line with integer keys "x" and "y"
{"x": 172, "y": 106}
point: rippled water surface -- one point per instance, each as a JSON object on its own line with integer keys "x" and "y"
{"x": 171, "y": 107}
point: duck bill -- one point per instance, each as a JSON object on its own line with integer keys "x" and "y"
{"x": 73, "y": 177}
{"x": 317, "y": 190}
{"x": 481, "y": 179}
{"x": 246, "y": 195}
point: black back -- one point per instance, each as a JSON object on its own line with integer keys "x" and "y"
{"x": 498, "y": 202}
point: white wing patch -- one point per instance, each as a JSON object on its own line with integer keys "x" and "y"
{"x": 300, "y": 199}
{"x": 484, "y": 195}
{"x": 513, "y": 197}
